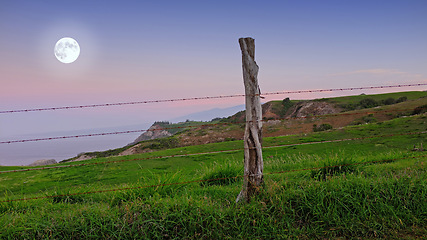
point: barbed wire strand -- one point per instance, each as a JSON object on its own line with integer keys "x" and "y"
{"x": 192, "y": 126}
{"x": 205, "y": 153}
{"x": 207, "y": 98}
{"x": 347, "y": 164}
{"x": 344, "y": 89}
{"x": 208, "y": 180}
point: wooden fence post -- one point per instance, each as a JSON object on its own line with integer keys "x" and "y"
{"x": 254, "y": 165}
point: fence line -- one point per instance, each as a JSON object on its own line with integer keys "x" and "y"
{"x": 203, "y": 125}
{"x": 208, "y": 180}
{"x": 212, "y": 152}
{"x": 193, "y": 126}
{"x": 208, "y": 98}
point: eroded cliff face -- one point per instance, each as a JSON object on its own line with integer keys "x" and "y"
{"x": 43, "y": 162}
{"x": 153, "y": 133}
{"x": 312, "y": 108}
{"x": 274, "y": 110}
{"x": 157, "y": 131}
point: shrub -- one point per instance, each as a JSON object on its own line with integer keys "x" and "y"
{"x": 365, "y": 119}
{"x": 368, "y": 103}
{"x": 229, "y": 139}
{"x": 221, "y": 175}
{"x": 333, "y": 167}
{"x": 349, "y": 106}
{"x": 322, "y": 127}
{"x": 107, "y": 153}
{"x": 420, "y": 109}
{"x": 162, "y": 143}
{"x": 217, "y": 119}
{"x": 357, "y": 122}
{"x": 388, "y": 101}
{"x": 162, "y": 123}
{"x": 369, "y": 119}
{"x": 286, "y": 103}
{"x": 401, "y": 99}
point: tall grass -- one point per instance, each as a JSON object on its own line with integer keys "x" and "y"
{"x": 378, "y": 200}
{"x": 154, "y": 186}
{"x": 221, "y": 174}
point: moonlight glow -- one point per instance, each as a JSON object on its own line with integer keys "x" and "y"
{"x": 67, "y": 50}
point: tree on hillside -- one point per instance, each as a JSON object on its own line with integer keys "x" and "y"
{"x": 401, "y": 99}
{"x": 286, "y": 103}
{"x": 388, "y": 101}
{"x": 368, "y": 103}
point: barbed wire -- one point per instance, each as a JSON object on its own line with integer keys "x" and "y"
{"x": 193, "y": 126}
{"x": 346, "y": 139}
{"x": 207, "y": 98}
{"x": 121, "y": 161}
{"x": 211, "y": 152}
{"x": 347, "y": 164}
{"x": 344, "y": 89}
{"x": 207, "y": 180}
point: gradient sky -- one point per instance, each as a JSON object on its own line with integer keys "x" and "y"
{"x": 145, "y": 50}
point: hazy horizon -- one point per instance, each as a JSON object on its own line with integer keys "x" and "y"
{"x": 28, "y": 152}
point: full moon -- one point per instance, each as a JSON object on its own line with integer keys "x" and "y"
{"x": 67, "y": 50}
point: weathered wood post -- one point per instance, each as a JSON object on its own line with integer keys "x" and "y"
{"x": 254, "y": 165}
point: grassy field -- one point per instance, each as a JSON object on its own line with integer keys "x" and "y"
{"x": 371, "y": 187}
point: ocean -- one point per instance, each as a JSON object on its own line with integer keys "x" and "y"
{"x": 21, "y": 154}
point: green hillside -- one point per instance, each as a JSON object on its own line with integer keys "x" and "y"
{"x": 319, "y": 189}
{"x": 355, "y": 102}
{"x": 189, "y": 133}
{"x": 377, "y": 97}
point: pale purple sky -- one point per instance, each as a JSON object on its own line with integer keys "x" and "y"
{"x": 148, "y": 50}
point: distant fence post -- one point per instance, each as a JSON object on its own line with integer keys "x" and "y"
{"x": 253, "y": 167}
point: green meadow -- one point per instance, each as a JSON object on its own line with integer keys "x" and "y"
{"x": 369, "y": 185}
